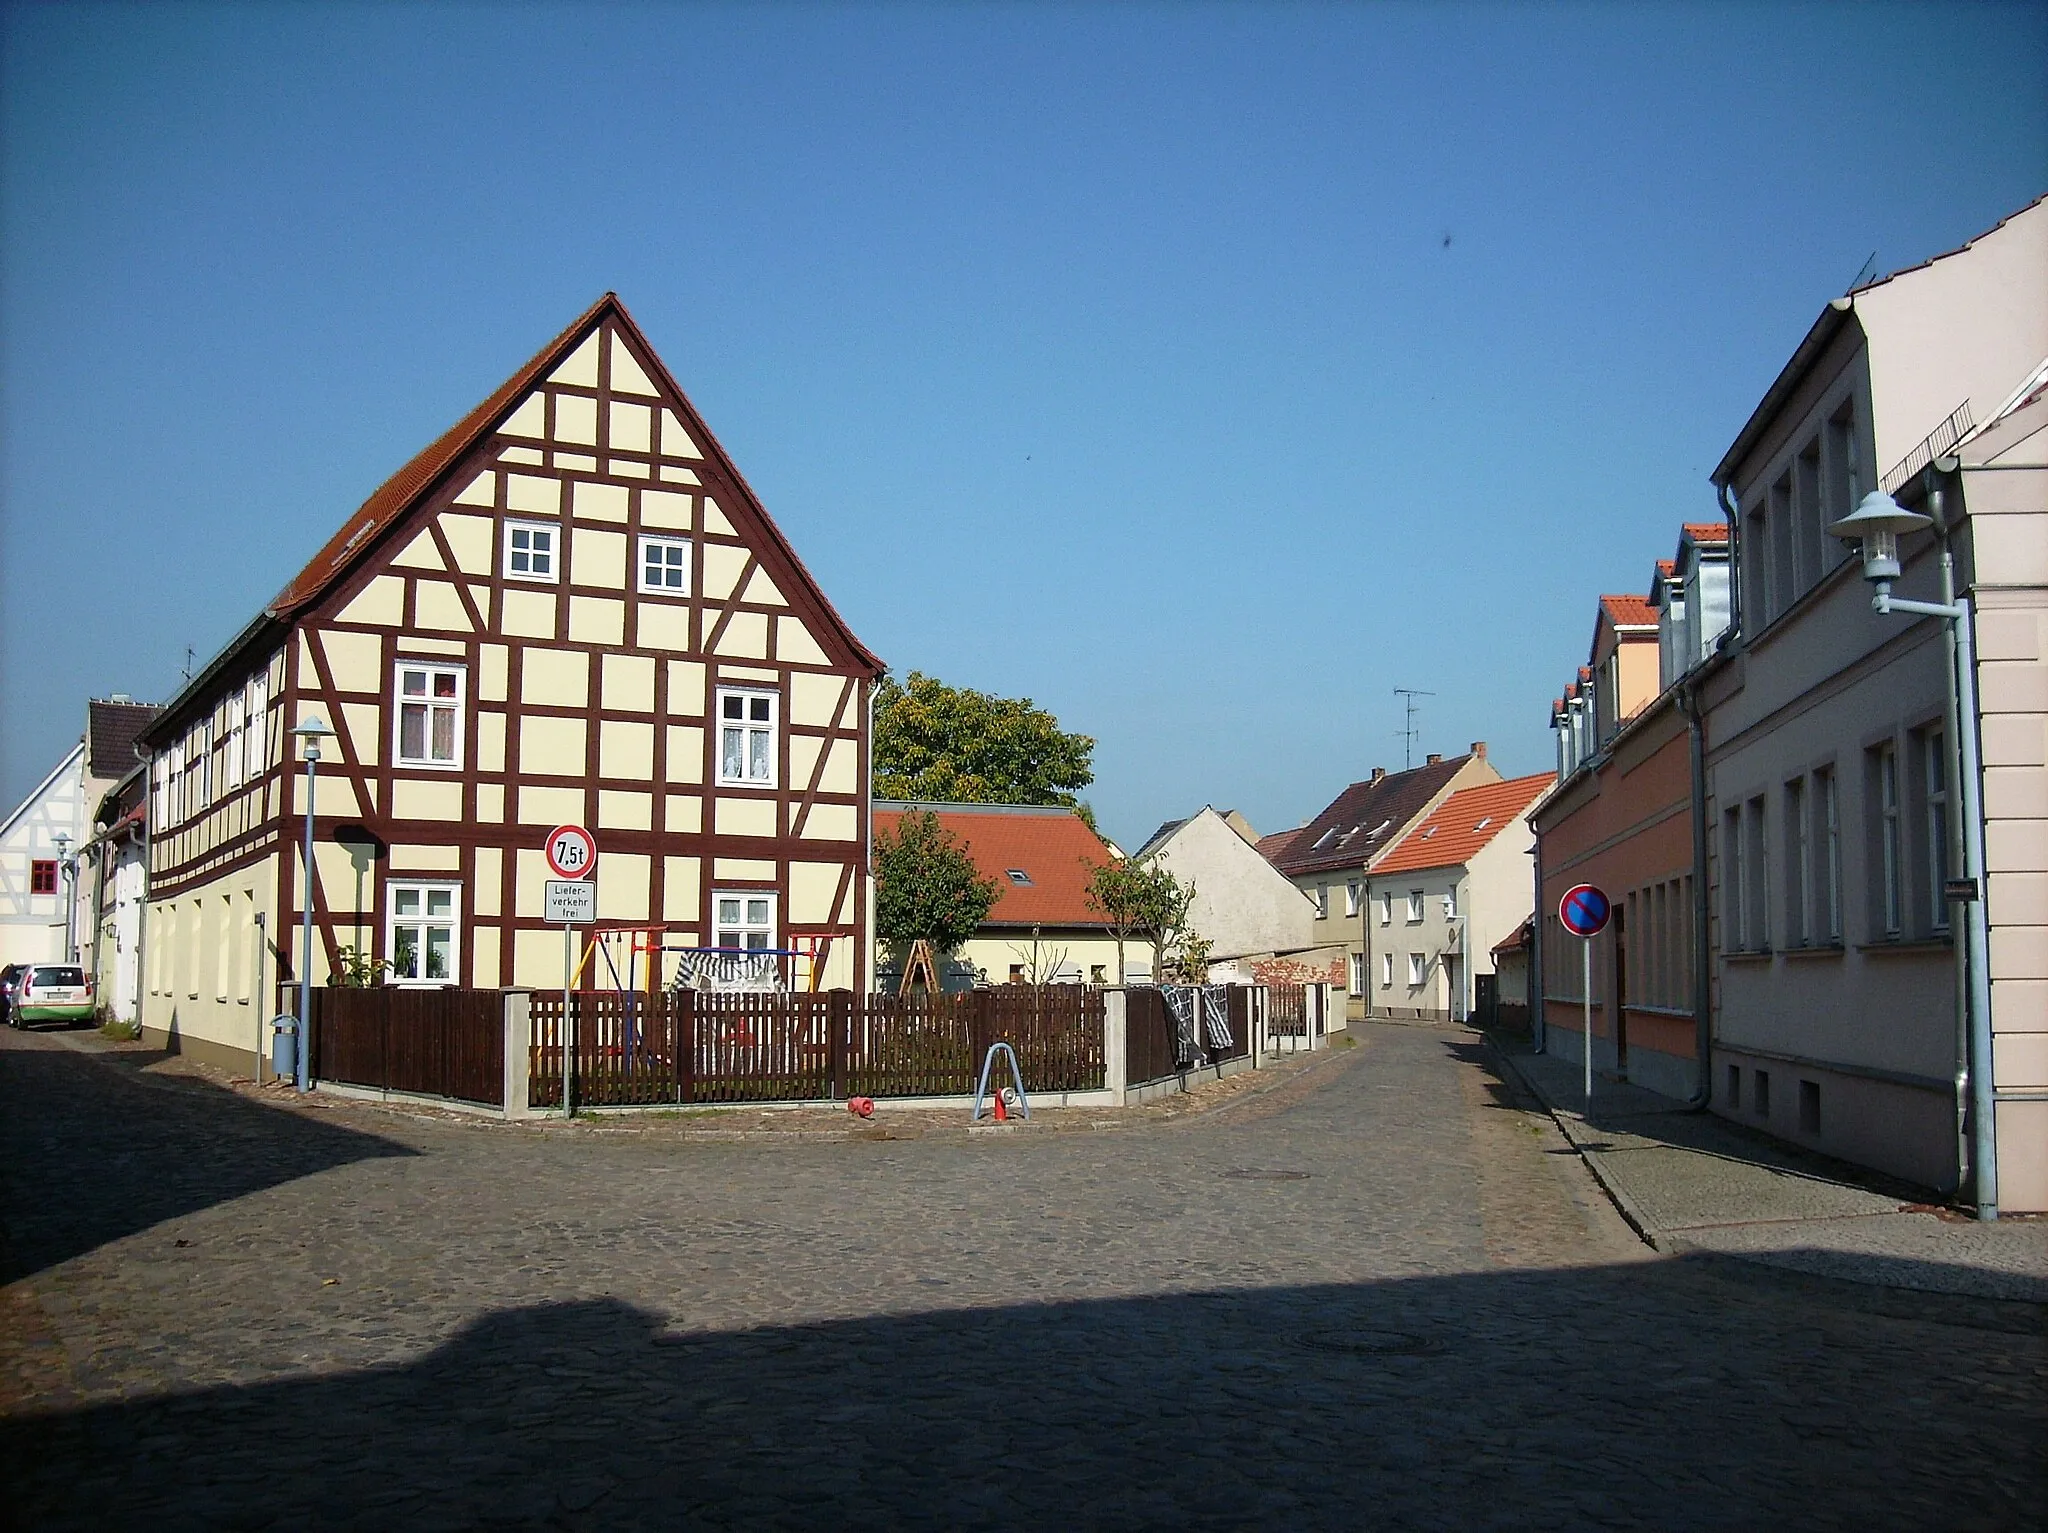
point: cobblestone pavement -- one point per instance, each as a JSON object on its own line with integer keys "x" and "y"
{"x": 1383, "y": 1294}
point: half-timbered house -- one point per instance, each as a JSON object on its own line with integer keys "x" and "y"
{"x": 570, "y": 608}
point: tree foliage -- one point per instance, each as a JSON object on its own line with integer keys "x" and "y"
{"x": 954, "y": 745}
{"x": 926, "y": 886}
{"x": 1141, "y": 900}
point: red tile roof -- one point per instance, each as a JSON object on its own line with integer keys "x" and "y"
{"x": 1050, "y": 846}
{"x": 1464, "y": 823}
{"x": 1706, "y": 532}
{"x": 1667, "y": 566}
{"x": 1629, "y": 611}
{"x": 1275, "y": 846}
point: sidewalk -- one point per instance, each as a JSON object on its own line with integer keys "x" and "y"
{"x": 1691, "y": 1181}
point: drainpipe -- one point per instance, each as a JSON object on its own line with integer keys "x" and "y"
{"x": 1937, "y": 503}
{"x": 1538, "y": 1031}
{"x": 1733, "y": 631}
{"x": 1702, "y": 954}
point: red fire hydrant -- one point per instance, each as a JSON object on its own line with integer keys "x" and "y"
{"x": 861, "y": 1107}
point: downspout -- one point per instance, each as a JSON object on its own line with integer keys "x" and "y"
{"x": 148, "y": 827}
{"x": 1702, "y": 956}
{"x": 1733, "y": 631}
{"x": 1538, "y": 1018}
{"x": 1937, "y": 503}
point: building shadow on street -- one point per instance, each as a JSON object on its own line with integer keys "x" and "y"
{"x": 1648, "y": 1395}
{"x": 91, "y": 1152}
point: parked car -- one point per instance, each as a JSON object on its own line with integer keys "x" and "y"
{"x": 10, "y": 981}
{"x": 52, "y": 992}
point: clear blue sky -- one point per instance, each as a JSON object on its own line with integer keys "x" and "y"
{"x": 1199, "y": 372}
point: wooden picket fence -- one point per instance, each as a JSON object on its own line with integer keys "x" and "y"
{"x": 701, "y": 1047}
{"x": 1152, "y": 1048}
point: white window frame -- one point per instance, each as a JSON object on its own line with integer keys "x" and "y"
{"x": 1890, "y": 845}
{"x": 1322, "y": 899}
{"x": 234, "y": 756}
{"x": 425, "y": 888}
{"x": 456, "y": 706}
{"x": 1358, "y": 974}
{"x": 750, "y": 728}
{"x": 552, "y": 531}
{"x": 1354, "y": 895}
{"x": 649, "y": 541}
{"x": 1934, "y": 774}
{"x": 1827, "y": 805}
{"x": 1387, "y": 909}
{"x": 1417, "y": 901}
{"x": 747, "y": 926}
{"x": 257, "y": 739}
{"x": 1418, "y": 971}
{"x": 1386, "y": 971}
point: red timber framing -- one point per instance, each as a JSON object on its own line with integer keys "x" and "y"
{"x": 581, "y": 697}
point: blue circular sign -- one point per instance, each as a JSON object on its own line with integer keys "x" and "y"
{"x": 1584, "y": 910}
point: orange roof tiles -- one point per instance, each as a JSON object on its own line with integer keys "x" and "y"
{"x": 1051, "y": 846}
{"x": 1464, "y": 823}
{"x": 1706, "y": 532}
{"x": 1629, "y": 611}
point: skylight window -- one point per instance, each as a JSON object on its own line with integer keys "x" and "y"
{"x": 1019, "y": 877}
{"x": 1428, "y": 832}
{"x": 1486, "y": 821}
{"x": 1325, "y": 839}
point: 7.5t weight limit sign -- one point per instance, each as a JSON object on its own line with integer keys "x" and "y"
{"x": 572, "y": 852}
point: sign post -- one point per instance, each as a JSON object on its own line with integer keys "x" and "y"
{"x": 572, "y": 900}
{"x": 1583, "y": 912}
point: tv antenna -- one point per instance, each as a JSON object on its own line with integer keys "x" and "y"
{"x": 1409, "y": 733}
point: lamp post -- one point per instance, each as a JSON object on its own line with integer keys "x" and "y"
{"x": 311, "y": 731}
{"x": 1876, "y": 526}
{"x": 69, "y": 868}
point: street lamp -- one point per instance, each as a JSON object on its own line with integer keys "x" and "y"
{"x": 1876, "y": 527}
{"x": 311, "y": 731}
{"x": 70, "y": 870}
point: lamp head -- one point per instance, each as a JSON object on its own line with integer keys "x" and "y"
{"x": 311, "y": 731}
{"x": 1876, "y": 526}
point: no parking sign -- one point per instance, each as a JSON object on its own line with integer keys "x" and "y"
{"x": 1584, "y": 912}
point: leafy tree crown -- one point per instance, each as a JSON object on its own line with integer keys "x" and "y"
{"x": 926, "y": 886}
{"x": 954, "y": 745}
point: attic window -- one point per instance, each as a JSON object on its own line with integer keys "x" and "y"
{"x": 1019, "y": 877}
{"x": 1324, "y": 839}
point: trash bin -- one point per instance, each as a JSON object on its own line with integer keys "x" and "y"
{"x": 284, "y": 1045}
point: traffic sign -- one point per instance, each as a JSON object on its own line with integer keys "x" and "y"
{"x": 571, "y": 901}
{"x": 572, "y": 852}
{"x": 1584, "y": 910}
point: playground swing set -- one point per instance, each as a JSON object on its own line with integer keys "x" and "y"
{"x": 633, "y": 959}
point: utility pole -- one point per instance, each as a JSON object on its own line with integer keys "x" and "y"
{"x": 1409, "y": 733}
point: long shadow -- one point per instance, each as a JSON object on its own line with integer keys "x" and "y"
{"x": 1643, "y": 1114}
{"x": 1641, "y": 1396}
{"x": 90, "y": 1153}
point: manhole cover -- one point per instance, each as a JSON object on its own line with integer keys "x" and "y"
{"x": 1371, "y": 1343}
{"x": 1254, "y": 1174}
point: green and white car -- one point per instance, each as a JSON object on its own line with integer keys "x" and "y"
{"x": 52, "y": 992}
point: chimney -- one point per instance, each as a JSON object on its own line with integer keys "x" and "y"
{"x": 1479, "y": 749}
{"x": 1378, "y": 773}
{"x": 1434, "y": 758}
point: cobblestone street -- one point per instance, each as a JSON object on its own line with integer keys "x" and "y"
{"x": 1380, "y": 1293}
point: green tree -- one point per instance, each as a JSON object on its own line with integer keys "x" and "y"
{"x": 952, "y": 745}
{"x": 926, "y": 886}
{"x": 1138, "y": 900}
